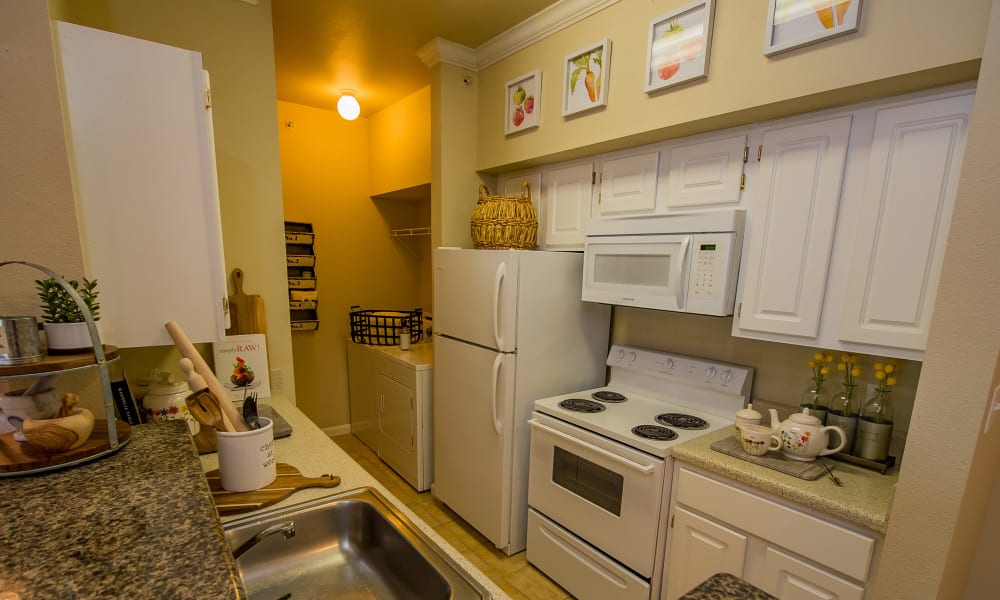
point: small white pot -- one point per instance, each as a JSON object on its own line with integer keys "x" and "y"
{"x": 68, "y": 337}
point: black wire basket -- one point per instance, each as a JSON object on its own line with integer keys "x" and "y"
{"x": 382, "y": 327}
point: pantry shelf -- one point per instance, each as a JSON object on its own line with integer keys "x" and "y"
{"x": 410, "y": 232}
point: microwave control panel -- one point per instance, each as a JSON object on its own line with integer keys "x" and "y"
{"x": 711, "y": 281}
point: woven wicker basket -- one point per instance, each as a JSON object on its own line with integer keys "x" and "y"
{"x": 500, "y": 222}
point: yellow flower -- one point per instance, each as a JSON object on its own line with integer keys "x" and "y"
{"x": 841, "y": 367}
{"x": 878, "y": 366}
{"x": 818, "y": 356}
{"x": 890, "y": 381}
{"x": 880, "y": 375}
{"x": 845, "y": 358}
{"x": 889, "y": 368}
{"x": 811, "y": 364}
{"x": 825, "y": 371}
{"x": 855, "y": 372}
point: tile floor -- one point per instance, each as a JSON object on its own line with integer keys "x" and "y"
{"x": 512, "y": 573}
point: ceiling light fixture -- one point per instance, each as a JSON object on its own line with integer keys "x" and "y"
{"x": 348, "y": 106}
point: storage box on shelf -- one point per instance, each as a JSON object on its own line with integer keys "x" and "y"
{"x": 300, "y": 258}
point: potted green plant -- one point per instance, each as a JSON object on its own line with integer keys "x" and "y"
{"x": 64, "y": 323}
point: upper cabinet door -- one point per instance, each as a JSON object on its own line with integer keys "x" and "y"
{"x": 792, "y": 217}
{"x": 707, "y": 173}
{"x": 628, "y": 185}
{"x": 565, "y": 203}
{"x": 909, "y": 193}
{"x": 139, "y": 130}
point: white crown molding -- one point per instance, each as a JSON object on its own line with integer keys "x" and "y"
{"x": 552, "y": 19}
{"x": 440, "y": 50}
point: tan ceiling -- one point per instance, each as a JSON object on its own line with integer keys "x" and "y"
{"x": 369, "y": 46}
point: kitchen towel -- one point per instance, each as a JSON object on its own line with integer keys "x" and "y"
{"x": 774, "y": 460}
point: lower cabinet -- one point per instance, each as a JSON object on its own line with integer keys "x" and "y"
{"x": 390, "y": 397}
{"x": 782, "y": 549}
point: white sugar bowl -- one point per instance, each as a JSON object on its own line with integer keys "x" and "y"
{"x": 165, "y": 401}
{"x": 746, "y": 416}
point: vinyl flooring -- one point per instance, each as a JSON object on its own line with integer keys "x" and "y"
{"x": 513, "y": 574}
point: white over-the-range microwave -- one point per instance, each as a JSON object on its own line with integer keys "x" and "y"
{"x": 686, "y": 262}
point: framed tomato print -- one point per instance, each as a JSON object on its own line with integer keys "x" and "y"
{"x": 678, "y": 46}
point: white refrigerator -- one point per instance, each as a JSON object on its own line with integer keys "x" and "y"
{"x": 510, "y": 328}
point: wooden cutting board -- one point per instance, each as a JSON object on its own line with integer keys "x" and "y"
{"x": 246, "y": 311}
{"x": 288, "y": 481}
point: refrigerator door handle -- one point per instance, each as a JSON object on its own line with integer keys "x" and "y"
{"x": 497, "y": 279}
{"x": 497, "y": 426}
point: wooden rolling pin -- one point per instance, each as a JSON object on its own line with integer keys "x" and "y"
{"x": 188, "y": 351}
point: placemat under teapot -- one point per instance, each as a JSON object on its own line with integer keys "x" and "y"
{"x": 809, "y": 471}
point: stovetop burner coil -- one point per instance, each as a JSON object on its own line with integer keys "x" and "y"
{"x": 608, "y": 396}
{"x": 581, "y": 405}
{"x": 655, "y": 432}
{"x": 682, "y": 421}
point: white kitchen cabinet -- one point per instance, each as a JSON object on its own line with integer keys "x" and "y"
{"x": 626, "y": 184}
{"x": 853, "y": 267}
{"x": 565, "y": 206}
{"x": 701, "y": 548}
{"x": 792, "y": 216}
{"x": 786, "y": 550}
{"x": 139, "y": 130}
{"x": 703, "y": 173}
{"x": 906, "y": 205}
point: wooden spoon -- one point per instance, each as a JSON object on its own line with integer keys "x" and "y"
{"x": 205, "y": 409}
{"x": 197, "y": 383}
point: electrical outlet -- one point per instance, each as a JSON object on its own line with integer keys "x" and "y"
{"x": 277, "y": 381}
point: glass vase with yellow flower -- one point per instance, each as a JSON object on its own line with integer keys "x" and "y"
{"x": 815, "y": 398}
{"x": 875, "y": 423}
{"x": 845, "y": 405}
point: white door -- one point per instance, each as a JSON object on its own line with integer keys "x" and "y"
{"x": 913, "y": 169}
{"x": 475, "y": 293}
{"x": 143, "y": 159}
{"x": 627, "y": 185}
{"x": 473, "y": 404}
{"x": 700, "y": 548}
{"x": 565, "y": 205}
{"x": 796, "y": 192}
{"x": 705, "y": 173}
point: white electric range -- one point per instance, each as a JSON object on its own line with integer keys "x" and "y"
{"x": 600, "y": 465}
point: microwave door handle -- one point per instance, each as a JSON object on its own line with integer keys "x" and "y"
{"x": 497, "y": 426}
{"x": 497, "y": 280}
{"x": 644, "y": 469}
{"x": 685, "y": 266}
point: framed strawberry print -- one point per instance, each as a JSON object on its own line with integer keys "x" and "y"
{"x": 522, "y": 109}
{"x": 795, "y": 23}
{"x": 678, "y": 46}
{"x": 585, "y": 81}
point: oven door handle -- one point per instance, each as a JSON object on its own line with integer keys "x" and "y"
{"x": 644, "y": 469}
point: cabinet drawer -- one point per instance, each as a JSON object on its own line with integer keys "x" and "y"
{"x": 826, "y": 543}
{"x": 785, "y": 576}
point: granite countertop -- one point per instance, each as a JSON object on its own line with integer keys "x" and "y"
{"x": 314, "y": 454}
{"x": 864, "y": 499}
{"x": 725, "y": 586}
{"x": 138, "y": 523}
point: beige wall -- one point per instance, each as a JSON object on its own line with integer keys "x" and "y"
{"x": 897, "y": 38}
{"x": 325, "y": 178}
{"x": 237, "y": 50}
{"x": 36, "y": 193}
{"x": 401, "y": 144}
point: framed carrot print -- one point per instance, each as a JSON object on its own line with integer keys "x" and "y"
{"x": 678, "y": 46}
{"x": 796, "y": 23}
{"x": 585, "y": 81}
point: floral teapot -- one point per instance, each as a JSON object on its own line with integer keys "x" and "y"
{"x": 803, "y": 436}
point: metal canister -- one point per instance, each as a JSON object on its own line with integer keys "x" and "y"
{"x": 19, "y": 341}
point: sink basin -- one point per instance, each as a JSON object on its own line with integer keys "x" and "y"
{"x": 350, "y": 545}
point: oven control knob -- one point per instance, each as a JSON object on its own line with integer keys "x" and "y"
{"x": 711, "y": 372}
{"x": 668, "y": 364}
{"x": 620, "y": 354}
{"x": 632, "y": 356}
{"x": 727, "y": 375}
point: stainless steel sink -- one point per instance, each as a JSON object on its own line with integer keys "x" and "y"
{"x": 351, "y": 545}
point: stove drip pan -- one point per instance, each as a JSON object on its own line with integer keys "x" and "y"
{"x": 581, "y": 405}
{"x": 682, "y": 421}
{"x": 655, "y": 432}
{"x": 606, "y": 396}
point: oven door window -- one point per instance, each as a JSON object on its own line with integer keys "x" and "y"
{"x": 587, "y": 480}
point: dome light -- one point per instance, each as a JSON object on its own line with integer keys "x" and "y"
{"x": 348, "y": 106}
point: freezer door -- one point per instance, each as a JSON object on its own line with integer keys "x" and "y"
{"x": 473, "y": 391}
{"x": 475, "y": 293}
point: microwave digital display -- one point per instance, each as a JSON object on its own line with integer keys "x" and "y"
{"x": 707, "y": 247}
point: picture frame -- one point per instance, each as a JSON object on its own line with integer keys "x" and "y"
{"x": 678, "y": 46}
{"x": 522, "y": 107}
{"x": 586, "y": 74}
{"x": 796, "y": 23}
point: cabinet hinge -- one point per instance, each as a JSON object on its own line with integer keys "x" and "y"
{"x": 593, "y": 177}
{"x": 208, "y": 97}
{"x": 743, "y": 180}
{"x": 746, "y": 153}
{"x": 760, "y": 150}
{"x": 739, "y": 310}
{"x": 672, "y": 521}
{"x": 225, "y": 305}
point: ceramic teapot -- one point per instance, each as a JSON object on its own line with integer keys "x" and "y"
{"x": 803, "y": 436}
